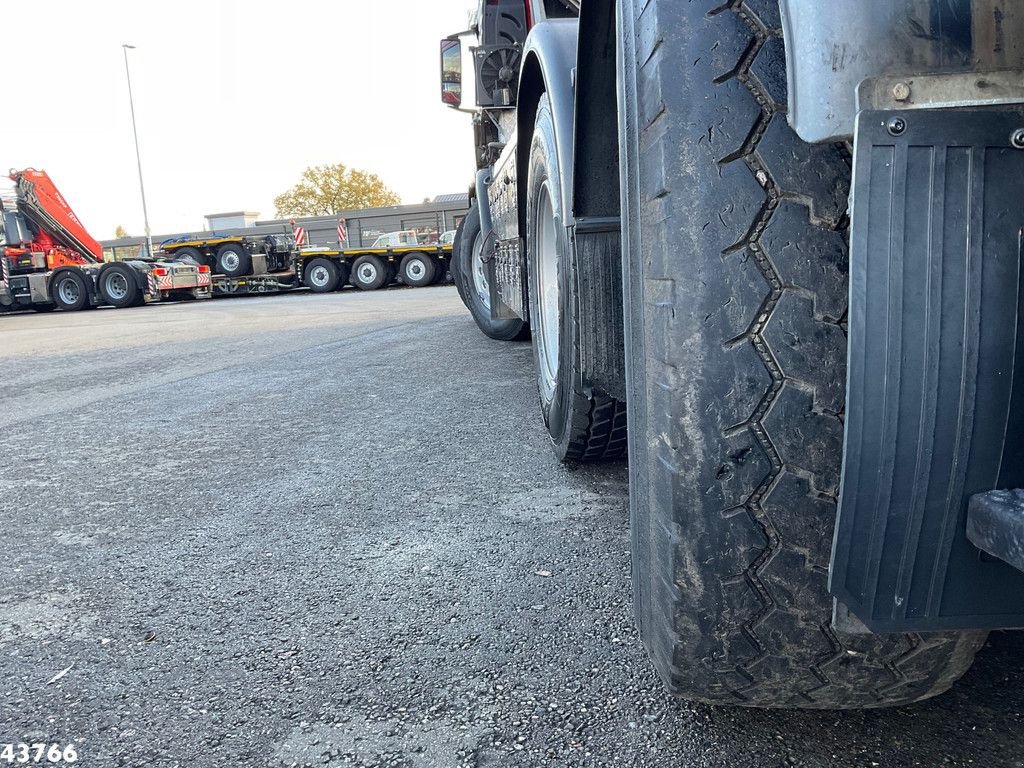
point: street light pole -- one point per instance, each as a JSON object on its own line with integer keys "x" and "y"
{"x": 138, "y": 156}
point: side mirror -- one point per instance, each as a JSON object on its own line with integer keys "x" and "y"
{"x": 451, "y": 72}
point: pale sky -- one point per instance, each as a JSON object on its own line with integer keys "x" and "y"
{"x": 233, "y": 100}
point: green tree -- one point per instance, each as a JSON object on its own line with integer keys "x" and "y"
{"x": 326, "y": 189}
{"x": 120, "y": 232}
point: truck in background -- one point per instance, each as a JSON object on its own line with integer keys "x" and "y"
{"x": 48, "y": 260}
{"x": 778, "y": 252}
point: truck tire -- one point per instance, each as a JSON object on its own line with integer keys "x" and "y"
{"x": 69, "y": 291}
{"x": 233, "y": 260}
{"x": 321, "y": 275}
{"x": 735, "y": 275}
{"x": 118, "y": 286}
{"x": 369, "y": 273}
{"x": 471, "y": 279}
{"x": 584, "y": 425}
{"x": 192, "y": 256}
{"x": 418, "y": 269}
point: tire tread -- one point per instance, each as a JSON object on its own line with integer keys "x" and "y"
{"x": 735, "y": 609}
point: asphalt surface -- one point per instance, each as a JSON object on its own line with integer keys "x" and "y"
{"x": 327, "y": 530}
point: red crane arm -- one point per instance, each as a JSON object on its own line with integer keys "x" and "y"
{"x": 41, "y": 201}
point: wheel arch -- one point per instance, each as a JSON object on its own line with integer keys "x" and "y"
{"x": 580, "y": 83}
{"x": 549, "y": 64}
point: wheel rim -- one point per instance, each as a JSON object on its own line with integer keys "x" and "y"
{"x": 319, "y": 276}
{"x": 230, "y": 261}
{"x": 116, "y": 286}
{"x": 545, "y": 240}
{"x": 415, "y": 270}
{"x": 481, "y": 285}
{"x": 367, "y": 273}
{"x": 69, "y": 290}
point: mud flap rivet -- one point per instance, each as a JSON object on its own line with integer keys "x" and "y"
{"x": 1017, "y": 138}
{"x": 896, "y": 126}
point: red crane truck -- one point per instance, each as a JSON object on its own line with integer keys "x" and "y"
{"x": 48, "y": 260}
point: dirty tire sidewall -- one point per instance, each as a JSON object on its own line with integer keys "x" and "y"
{"x": 501, "y": 330}
{"x": 584, "y": 424}
{"x": 735, "y": 263}
{"x": 543, "y": 188}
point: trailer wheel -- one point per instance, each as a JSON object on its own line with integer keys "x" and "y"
{"x": 322, "y": 275}
{"x": 233, "y": 260}
{"x": 192, "y": 256}
{"x": 69, "y": 291}
{"x": 471, "y": 279}
{"x": 584, "y": 424}
{"x": 418, "y": 269}
{"x": 369, "y": 273}
{"x": 735, "y": 273}
{"x": 118, "y": 286}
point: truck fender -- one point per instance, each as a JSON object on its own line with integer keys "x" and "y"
{"x": 549, "y": 65}
{"x": 828, "y": 55}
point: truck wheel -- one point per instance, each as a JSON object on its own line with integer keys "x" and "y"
{"x": 471, "y": 279}
{"x": 192, "y": 256}
{"x": 583, "y": 425}
{"x": 369, "y": 273}
{"x": 418, "y": 269}
{"x": 735, "y": 274}
{"x": 322, "y": 275}
{"x": 233, "y": 260}
{"x": 118, "y": 286}
{"x": 69, "y": 291}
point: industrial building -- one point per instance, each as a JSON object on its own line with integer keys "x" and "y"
{"x": 363, "y": 226}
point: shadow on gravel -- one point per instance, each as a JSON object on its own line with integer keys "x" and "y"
{"x": 977, "y": 722}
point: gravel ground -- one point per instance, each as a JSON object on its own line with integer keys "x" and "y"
{"x": 327, "y": 530}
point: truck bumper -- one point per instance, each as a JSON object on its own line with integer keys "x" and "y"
{"x": 935, "y": 398}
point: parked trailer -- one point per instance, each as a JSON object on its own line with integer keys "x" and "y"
{"x": 234, "y": 255}
{"x": 369, "y": 269}
{"x": 271, "y": 264}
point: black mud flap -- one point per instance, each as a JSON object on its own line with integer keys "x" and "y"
{"x": 935, "y": 403}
